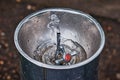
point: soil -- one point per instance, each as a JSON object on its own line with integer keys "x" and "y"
{"x": 106, "y": 12}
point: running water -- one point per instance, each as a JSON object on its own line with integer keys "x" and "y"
{"x": 53, "y": 26}
{"x": 58, "y": 50}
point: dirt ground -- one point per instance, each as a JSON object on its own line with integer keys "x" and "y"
{"x": 107, "y": 12}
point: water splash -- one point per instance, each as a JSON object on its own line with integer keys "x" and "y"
{"x": 71, "y": 52}
{"x": 53, "y": 25}
{"x": 46, "y": 53}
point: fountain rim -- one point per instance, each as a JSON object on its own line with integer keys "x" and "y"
{"x": 88, "y": 60}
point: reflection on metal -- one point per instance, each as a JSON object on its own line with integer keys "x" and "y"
{"x": 60, "y": 52}
{"x": 81, "y": 41}
{"x": 46, "y": 53}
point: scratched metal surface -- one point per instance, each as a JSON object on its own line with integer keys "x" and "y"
{"x": 31, "y": 71}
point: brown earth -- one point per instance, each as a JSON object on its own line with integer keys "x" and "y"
{"x": 107, "y": 12}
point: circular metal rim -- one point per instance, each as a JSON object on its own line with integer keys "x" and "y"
{"x": 57, "y": 66}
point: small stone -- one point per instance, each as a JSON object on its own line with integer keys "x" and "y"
{"x": 118, "y": 75}
{"x": 3, "y": 45}
{"x": 6, "y": 45}
{"x": 13, "y": 71}
{"x": 2, "y": 34}
{"x": 1, "y": 62}
{"x": 109, "y": 56}
{"x": 114, "y": 51}
{"x": 109, "y": 28}
{"x": 8, "y": 77}
{"x": 107, "y": 50}
{"x": 29, "y": 7}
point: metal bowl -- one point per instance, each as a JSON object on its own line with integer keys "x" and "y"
{"x": 74, "y": 25}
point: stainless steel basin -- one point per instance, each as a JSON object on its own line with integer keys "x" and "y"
{"x": 76, "y": 25}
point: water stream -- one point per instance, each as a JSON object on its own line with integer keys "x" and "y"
{"x": 70, "y": 52}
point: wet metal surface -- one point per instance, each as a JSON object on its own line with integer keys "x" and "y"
{"x": 11, "y": 12}
{"x": 79, "y": 31}
{"x": 69, "y": 41}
